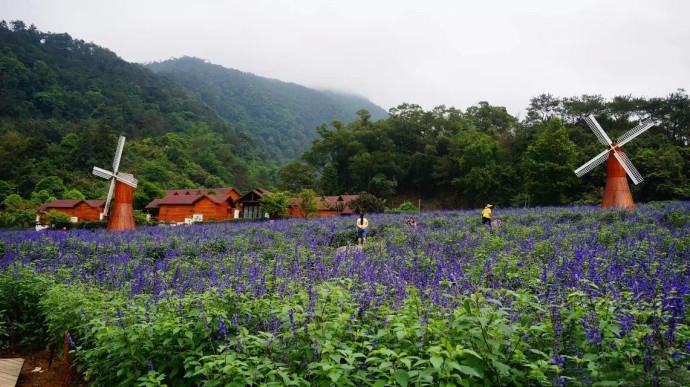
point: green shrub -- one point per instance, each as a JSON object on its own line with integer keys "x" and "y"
{"x": 367, "y": 203}
{"x": 141, "y": 218}
{"x": 676, "y": 219}
{"x": 26, "y": 326}
{"x": 6, "y": 219}
{"x": 406, "y": 207}
{"x": 4, "y": 331}
{"x": 59, "y": 219}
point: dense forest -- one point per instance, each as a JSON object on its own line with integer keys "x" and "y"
{"x": 63, "y": 102}
{"x": 450, "y": 158}
{"x": 279, "y": 117}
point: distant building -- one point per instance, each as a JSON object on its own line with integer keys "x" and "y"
{"x": 77, "y": 210}
{"x": 326, "y": 206}
{"x": 196, "y": 204}
{"x": 251, "y": 204}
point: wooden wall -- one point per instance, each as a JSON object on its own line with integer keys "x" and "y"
{"x": 174, "y": 213}
{"x": 295, "y": 212}
{"x": 204, "y": 206}
{"x": 82, "y": 211}
{"x": 87, "y": 213}
{"x": 121, "y": 215}
{"x": 224, "y": 211}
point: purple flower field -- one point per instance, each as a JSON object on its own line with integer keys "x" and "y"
{"x": 552, "y": 296}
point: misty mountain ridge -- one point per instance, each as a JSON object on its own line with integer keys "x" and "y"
{"x": 279, "y": 116}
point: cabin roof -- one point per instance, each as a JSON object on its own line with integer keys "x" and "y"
{"x": 70, "y": 203}
{"x": 153, "y": 203}
{"x": 190, "y": 196}
{"x": 202, "y": 191}
{"x": 257, "y": 192}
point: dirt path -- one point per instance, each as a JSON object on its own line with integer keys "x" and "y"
{"x": 35, "y": 372}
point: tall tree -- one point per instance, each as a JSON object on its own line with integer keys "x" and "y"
{"x": 549, "y": 165}
{"x": 296, "y": 176}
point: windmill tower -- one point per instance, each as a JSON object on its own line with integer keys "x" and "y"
{"x": 122, "y": 185}
{"x": 618, "y": 165}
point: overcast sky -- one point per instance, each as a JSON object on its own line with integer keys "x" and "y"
{"x": 426, "y": 52}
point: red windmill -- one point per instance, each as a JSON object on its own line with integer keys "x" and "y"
{"x": 122, "y": 185}
{"x": 617, "y": 192}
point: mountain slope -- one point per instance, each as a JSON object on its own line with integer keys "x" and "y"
{"x": 64, "y": 101}
{"x": 281, "y": 117}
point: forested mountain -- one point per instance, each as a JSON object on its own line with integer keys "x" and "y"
{"x": 64, "y": 101}
{"x": 280, "y": 117}
{"x": 451, "y": 158}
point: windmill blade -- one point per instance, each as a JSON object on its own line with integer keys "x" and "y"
{"x": 628, "y": 166}
{"x": 111, "y": 190}
{"x": 102, "y": 173}
{"x": 127, "y": 179}
{"x": 634, "y": 132}
{"x": 598, "y": 131}
{"x": 593, "y": 163}
{"x": 118, "y": 154}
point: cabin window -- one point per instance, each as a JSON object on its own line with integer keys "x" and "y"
{"x": 253, "y": 212}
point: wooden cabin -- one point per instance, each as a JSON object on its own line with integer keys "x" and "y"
{"x": 78, "y": 210}
{"x": 327, "y": 206}
{"x": 197, "y": 204}
{"x": 251, "y": 204}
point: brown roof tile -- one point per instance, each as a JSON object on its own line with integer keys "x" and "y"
{"x": 191, "y": 195}
{"x": 70, "y": 203}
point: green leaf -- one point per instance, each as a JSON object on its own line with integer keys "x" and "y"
{"x": 471, "y": 352}
{"x": 436, "y": 361}
{"x": 607, "y": 383}
{"x": 467, "y": 307}
{"x": 538, "y": 352}
{"x": 465, "y": 369}
{"x": 590, "y": 357}
{"x": 334, "y": 375}
{"x": 400, "y": 334}
{"x": 502, "y": 368}
{"x": 401, "y": 377}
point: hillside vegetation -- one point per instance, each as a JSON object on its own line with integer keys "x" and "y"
{"x": 64, "y": 101}
{"x": 280, "y": 117}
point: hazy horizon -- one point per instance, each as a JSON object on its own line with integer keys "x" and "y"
{"x": 438, "y": 53}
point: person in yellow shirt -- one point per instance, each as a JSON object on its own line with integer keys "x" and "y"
{"x": 486, "y": 215}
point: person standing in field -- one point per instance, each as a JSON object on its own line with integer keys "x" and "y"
{"x": 486, "y": 215}
{"x": 362, "y": 224}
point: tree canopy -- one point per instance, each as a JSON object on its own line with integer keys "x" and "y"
{"x": 455, "y": 159}
{"x": 63, "y": 102}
